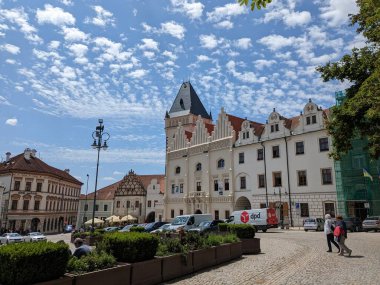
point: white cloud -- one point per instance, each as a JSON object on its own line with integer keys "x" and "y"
{"x": 247, "y": 77}
{"x": 73, "y": 34}
{"x": 173, "y": 29}
{"x": 285, "y": 12}
{"x": 149, "y": 44}
{"x": 55, "y": 16}
{"x": 149, "y": 54}
{"x": 79, "y": 51}
{"x": 208, "y": 41}
{"x": 67, "y": 2}
{"x": 224, "y": 25}
{"x": 4, "y": 101}
{"x": 203, "y": 58}
{"x": 297, "y": 18}
{"x": 108, "y": 178}
{"x": 190, "y": 8}
{"x": 11, "y": 122}
{"x": 170, "y": 55}
{"x": 243, "y": 43}
{"x": 359, "y": 41}
{"x": 10, "y": 48}
{"x": 276, "y": 42}
{"x": 103, "y": 17}
{"x": 54, "y": 45}
{"x": 226, "y": 12}
{"x": 335, "y": 12}
{"x": 117, "y": 173}
{"x": 261, "y": 63}
{"x": 112, "y": 50}
{"x": 138, "y": 73}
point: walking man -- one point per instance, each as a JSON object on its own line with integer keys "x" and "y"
{"x": 329, "y": 231}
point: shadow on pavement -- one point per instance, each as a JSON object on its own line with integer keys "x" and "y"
{"x": 355, "y": 256}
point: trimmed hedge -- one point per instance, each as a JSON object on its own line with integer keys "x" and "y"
{"x": 242, "y": 230}
{"x": 28, "y": 263}
{"x": 91, "y": 262}
{"x": 137, "y": 229}
{"x": 130, "y": 246}
{"x": 223, "y": 227}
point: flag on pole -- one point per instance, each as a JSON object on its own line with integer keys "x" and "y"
{"x": 366, "y": 174}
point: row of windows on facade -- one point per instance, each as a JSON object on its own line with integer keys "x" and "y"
{"x": 310, "y": 120}
{"x": 52, "y": 188}
{"x": 329, "y": 208}
{"x": 216, "y": 214}
{"x": 326, "y": 178}
{"x": 50, "y": 205}
{"x": 299, "y": 149}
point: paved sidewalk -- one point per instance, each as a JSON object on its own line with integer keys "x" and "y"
{"x": 298, "y": 257}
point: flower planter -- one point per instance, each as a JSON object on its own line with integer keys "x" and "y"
{"x": 222, "y": 253}
{"x": 203, "y": 258}
{"x": 120, "y": 274}
{"x": 64, "y": 280}
{"x": 250, "y": 245}
{"x": 236, "y": 249}
{"x": 177, "y": 265}
{"x": 146, "y": 272}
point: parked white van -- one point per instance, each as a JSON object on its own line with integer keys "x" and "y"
{"x": 189, "y": 221}
{"x": 262, "y": 219}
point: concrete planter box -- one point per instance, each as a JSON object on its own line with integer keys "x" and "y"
{"x": 146, "y": 272}
{"x": 203, "y": 258}
{"x": 64, "y": 280}
{"x": 251, "y": 245}
{"x": 177, "y": 265}
{"x": 120, "y": 274}
{"x": 236, "y": 249}
{"x": 223, "y": 253}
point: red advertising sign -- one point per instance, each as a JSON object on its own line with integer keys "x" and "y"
{"x": 244, "y": 217}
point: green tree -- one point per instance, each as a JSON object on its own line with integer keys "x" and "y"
{"x": 359, "y": 113}
{"x": 255, "y": 3}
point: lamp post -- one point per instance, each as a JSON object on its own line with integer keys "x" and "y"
{"x": 98, "y": 144}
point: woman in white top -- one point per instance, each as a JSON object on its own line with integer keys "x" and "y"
{"x": 329, "y": 231}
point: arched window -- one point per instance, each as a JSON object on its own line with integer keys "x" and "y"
{"x": 177, "y": 170}
{"x": 198, "y": 167}
{"x": 221, "y": 163}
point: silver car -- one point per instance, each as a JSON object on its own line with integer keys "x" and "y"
{"x": 316, "y": 224}
{"x": 35, "y": 236}
{"x": 11, "y": 238}
{"x": 371, "y": 223}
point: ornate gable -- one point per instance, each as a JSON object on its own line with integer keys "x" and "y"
{"x": 131, "y": 185}
{"x": 180, "y": 140}
{"x": 223, "y": 127}
{"x": 200, "y": 134}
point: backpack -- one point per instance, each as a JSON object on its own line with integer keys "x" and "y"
{"x": 338, "y": 231}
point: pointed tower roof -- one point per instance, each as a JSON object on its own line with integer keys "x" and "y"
{"x": 187, "y": 102}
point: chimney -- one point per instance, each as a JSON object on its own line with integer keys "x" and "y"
{"x": 67, "y": 170}
{"x": 7, "y": 156}
{"x": 27, "y": 153}
{"x": 33, "y": 152}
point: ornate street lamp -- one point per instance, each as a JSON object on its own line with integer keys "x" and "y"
{"x": 99, "y": 143}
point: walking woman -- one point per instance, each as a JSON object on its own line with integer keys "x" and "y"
{"x": 329, "y": 231}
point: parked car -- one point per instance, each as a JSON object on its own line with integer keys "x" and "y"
{"x": 316, "y": 224}
{"x": 34, "y": 236}
{"x": 154, "y": 226}
{"x": 127, "y": 228}
{"x": 163, "y": 228}
{"x": 207, "y": 227}
{"x": 111, "y": 229}
{"x": 68, "y": 229}
{"x": 353, "y": 224}
{"x": 11, "y": 238}
{"x": 371, "y": 223}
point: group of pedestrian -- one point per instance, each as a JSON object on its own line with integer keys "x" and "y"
{"x": 336, "y": 234}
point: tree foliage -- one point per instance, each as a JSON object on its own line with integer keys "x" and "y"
{"x": 255, "y": 3}
{"x": 359, "y": 114}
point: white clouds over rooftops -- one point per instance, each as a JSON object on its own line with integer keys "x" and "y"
{"x": 173, "y": 29}
{"x": 10, "y": 48}
{"x": 103, "y": 17}
{"x": 208, "y": 41}
{"x": 226, "y": 12}
{"x": 190, "y": 8}
{"x": 12, "y": 122}
{"x": 285, "y": 11}
{"x": 335, "y": 12}
{"x": 276, "y": 42}
{"x": 73, "y": 34}
{"x": 243, "y": 43}
{"x": 55, "y": 16}
{"x": 149, "y": 44}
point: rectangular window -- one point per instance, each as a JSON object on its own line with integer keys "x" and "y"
{"x": 307, "y": 120}
{"x": 261, "y": 179}
{"x": 105, "y": 208}
{"x": 14, "y": 204}
{"x": 271, "y": 128}
{"x": 180, "y": 212}
{"x": 241, "y": 157}
{"x": 36, "y": 205}
{"x": 28, "y": 186}
{"x": 216, "y": 185}
{"x": 243, "y": 183}
{"x": 323, "y": 144}
{"x": 173, "y": 188}
{"x": 277, "y": 179}
{"x": 216, "y": 215}
{"x": 302, "y": 179}
{"x": 243, "y": 135}
{"x": 276, "y": 151}
{"x": 227, "y": 214}
{"x": 314, "y": 119}
{"x": 326, "y": 176}
{"x": 149, "y": 204}
{"x": 181, "y": 188}
{"x": 96, "y": 207}
{"x": 300, "y": 148}
{"x": 263, "y": 205}
{"x": 226, "y": 184}
{"x": 276, "y": 127}
{"x": 155, "y": 203}
{"x": 137, "y": 204}
{"x": 39, "y": 187}
{"x": 199, "y": 186}
{"x": 172, "y": 213}
{"x": 17, "y": 185}
{"x": 358, "y": 162}
{"x": 260, "y": 154}
{"x": 247, "y": 136}
{"x": 26, "y": 205}
{"x": 330, "y": 209}
{"x": 128, "y": 204}
{"x": 86, "y": 206}
{"x": 304, "y": 209}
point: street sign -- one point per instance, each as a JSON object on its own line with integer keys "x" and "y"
{"x": 366, "y": 205}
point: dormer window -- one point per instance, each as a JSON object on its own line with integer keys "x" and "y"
{"x": 221, "y": 163}
{"x": 198, "y": 167}
{"x": 177, "y": 170}
{"x": 182, "y": 104}
{"x": 274, "y": 128}
{"x": 311, "y": 120}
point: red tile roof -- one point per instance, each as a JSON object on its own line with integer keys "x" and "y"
{"x": 19, "y": 163}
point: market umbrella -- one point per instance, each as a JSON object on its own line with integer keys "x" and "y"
{"x": 128, "y": 218}
{"x": 96, "y": 221}
{"x": 113, "y": 219}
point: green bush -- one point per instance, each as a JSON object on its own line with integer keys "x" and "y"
{"x": 130, "y": 246}
{"x": 137, "y": 229}
{"x": 28, "y": 263}
{"x": 230, "y": 238}
{"x": 91, "y": 262}
{"x": 223, "y": 227}
{"x": 169, "y": 246}
{"x": 242, "y": 230}
{"x": 194, "y": 241}
{"x": 214, "y": 240}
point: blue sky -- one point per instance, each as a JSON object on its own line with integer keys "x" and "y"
{"x": 64, "y": 64}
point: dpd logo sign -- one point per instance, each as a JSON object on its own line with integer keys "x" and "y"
{"x": 244, "y": 217}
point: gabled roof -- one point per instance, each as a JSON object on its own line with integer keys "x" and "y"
{"x": 187, "y": 102}
{"x": 19, "y": 163}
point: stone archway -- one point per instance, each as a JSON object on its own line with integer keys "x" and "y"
{"x": 198, "y": 212}
{"x": 34, "y": 224}
{"x": 242, "y": 203}
{"x": 150, "y": 218}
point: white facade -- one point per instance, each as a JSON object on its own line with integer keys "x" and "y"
{"x": 103, "y": 209}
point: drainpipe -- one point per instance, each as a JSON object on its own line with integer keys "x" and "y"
{"x": 287, "y": 171}
{"x": 265, "y": 174}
